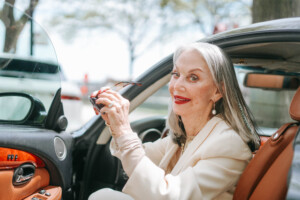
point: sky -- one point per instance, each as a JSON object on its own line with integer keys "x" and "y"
{"x": 105, "y": 55}
{"x": 100, "y": 55}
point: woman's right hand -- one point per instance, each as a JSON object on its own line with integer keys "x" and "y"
{"x": 115, "y": 111}
{"x": 94, "y": 95}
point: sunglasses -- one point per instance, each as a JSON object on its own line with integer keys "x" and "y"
{"x": 118, "y": 86}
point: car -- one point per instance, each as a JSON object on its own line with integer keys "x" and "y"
{"x": 42, "y": 79}
{"x": 39, "y": 158}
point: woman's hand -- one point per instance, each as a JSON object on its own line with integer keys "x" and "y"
{"x": 115, "y": 111}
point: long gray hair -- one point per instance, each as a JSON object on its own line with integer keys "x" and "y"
{"x": 231, "y": 108}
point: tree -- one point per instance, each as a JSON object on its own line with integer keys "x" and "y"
{"x": 141, "y": 23}
{"x": 263, "y": 10}
{"x": 206, "y": 14}
{"x": 136, "y": 22}
{"x": 13, "y": 26}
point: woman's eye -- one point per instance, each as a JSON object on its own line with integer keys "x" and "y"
{"x": 193, "y": 78}
{"x": 175, "y": 74}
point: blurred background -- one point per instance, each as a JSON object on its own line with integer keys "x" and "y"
{"x": 101, "y": 42}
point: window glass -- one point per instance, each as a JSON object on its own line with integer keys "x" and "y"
{"x": 14, "y": 108}
{"x": 155, "y": 105}
{"x": 28, "y": 63}
{"x": 270, "y": 108}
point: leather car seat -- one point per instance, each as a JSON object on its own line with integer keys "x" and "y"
{"x": 266, "y": 176}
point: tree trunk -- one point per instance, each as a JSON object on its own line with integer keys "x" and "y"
{"x": 263, "y": 10}
{"x": 13, "y": 28}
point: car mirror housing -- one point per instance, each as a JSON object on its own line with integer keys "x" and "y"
{"x": 21, "y": 108}
{"x": 271, "y": 81}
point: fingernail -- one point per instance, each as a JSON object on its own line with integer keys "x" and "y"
{"x": 94, "y": 93}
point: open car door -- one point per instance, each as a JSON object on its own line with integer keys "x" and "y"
{"x": 35, "y": 152}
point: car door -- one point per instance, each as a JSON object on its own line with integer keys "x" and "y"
{"x": 268, "y": 47}
{"x": 35, "y": 151}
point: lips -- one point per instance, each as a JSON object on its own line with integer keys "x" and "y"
{"x": 181, "y": 100}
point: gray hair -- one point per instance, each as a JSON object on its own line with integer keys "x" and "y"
{"x": 231, "y": 108}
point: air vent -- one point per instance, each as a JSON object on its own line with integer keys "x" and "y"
{"x": 60, "y": 148}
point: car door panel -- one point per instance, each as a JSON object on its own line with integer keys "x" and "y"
{"x": 49, "y": 193}
{"x": 53, "y": 161}
{"x": 12, "y": 158}
{"x": 9, "y": 191}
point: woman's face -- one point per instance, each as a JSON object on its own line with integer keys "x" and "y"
{"x": 192, "y": 87}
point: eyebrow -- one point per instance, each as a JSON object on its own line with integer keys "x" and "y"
{"x": 197, "y": 69}
{"x": 192, "y": 70}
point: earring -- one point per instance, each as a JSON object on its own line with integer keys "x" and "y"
{"x": 214, "y": 112}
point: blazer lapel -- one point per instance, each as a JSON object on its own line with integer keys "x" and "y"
{"x": 168, "y": 156}
{"x": 195, "y": 144}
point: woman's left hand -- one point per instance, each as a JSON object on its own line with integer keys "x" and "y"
{"x": 115, "y": 111}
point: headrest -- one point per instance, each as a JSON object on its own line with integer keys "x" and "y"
{"x": 295, "y": 106}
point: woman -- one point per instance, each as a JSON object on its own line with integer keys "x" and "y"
{"x": 211, "y": 138}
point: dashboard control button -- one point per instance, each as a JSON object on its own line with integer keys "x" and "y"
{"x": 47, "y": 194}
{"x": 42, "y": 191}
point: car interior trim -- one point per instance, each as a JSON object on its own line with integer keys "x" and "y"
{"x": 40, "y": 179}
{"x": 12, "y": 158}
{"x": 295, "y": 106}
{"x": 149, "y": 133}
{"x": 47, "y": 193}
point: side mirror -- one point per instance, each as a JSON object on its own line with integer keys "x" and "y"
{"x": 20, "y": 108}
{"x": 271, "y": 81}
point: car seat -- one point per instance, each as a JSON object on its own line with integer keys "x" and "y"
{"x": 266, "y": 175}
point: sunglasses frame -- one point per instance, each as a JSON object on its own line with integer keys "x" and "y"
{"x": 98, "y": 107}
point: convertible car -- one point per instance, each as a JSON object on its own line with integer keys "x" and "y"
{"x": 39, "y": 159}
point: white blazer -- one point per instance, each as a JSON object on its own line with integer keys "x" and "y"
{"x": 208, "y": 169}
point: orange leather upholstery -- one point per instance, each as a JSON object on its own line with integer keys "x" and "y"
{"x": 266, "y": 175}
{"x": 263, "y": 140}
{"x": 295, "y": 106}
{"x": 10, "y": 192}
{"x": 51, "y": 193}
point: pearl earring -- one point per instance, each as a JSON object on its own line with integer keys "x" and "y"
{"x": 214, "y": 112}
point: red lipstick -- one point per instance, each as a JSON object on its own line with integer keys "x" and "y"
{"x": 181, "y": 100}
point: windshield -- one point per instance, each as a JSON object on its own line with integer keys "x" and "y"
{"x": 28, "y": 62}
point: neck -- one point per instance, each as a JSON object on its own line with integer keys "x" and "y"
{"x": 193, "y": 125}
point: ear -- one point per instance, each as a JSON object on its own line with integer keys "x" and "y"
{"x": 217, "y": 95}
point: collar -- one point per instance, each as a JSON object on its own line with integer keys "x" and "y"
{"x": 197, "y": 141}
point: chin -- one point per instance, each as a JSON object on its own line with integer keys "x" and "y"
{"x": 179, "y": 111}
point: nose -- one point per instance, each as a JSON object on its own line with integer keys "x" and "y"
{"x": 179, "y": 84}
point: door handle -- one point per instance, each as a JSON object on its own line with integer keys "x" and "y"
{"x": 23, "y": 174}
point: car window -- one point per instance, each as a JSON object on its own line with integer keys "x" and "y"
{"x": 29, "y": 76}
{"x": 28, "y": 62}
{"x": 155, "y": 105}
{"x": 270, "y": 108}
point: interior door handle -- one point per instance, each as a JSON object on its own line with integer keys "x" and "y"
{"x": 23, "y": 174}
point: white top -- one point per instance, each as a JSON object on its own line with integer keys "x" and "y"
{"x": 209, "y": 168}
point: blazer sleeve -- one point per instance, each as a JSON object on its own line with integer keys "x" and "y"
{"x": 220, "y": 164}
{"x": 129, "y": 149}
{"x": 156, "y": 150}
